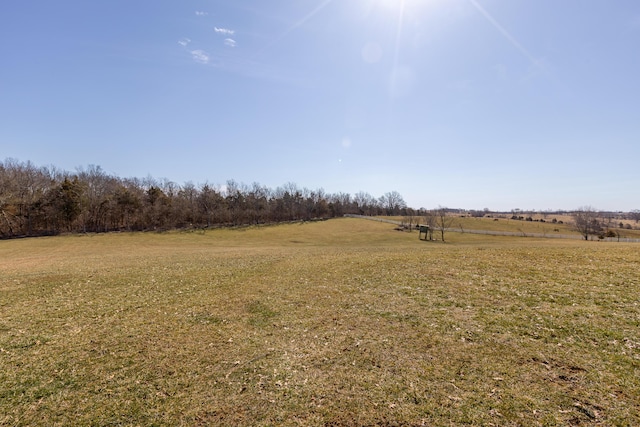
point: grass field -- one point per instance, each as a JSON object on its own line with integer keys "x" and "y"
{"x": 343, "y": 322}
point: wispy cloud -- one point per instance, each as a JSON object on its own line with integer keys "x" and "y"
{"x": 201, "y": 13}
{"x": 225, "y": 31}
{"x": 200, "y": 56}
{"x": 230, "y": 42}
{"x": 184, "y": 41}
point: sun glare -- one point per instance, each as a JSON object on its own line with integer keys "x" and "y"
{"x": 401, "y": 9}
{"x": 403, "y": 4}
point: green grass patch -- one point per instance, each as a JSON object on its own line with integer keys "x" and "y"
{"x": 343, "y": 322}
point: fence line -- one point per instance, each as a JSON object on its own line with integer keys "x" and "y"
{"x": 506, "y": 233}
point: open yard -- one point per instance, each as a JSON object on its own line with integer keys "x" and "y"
{"x": 342, "y": 322}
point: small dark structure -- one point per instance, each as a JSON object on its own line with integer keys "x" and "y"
{"x": 424, "y": 229}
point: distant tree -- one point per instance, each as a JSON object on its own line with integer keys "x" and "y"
{"x": 237, "y": 201}
{"x": 585, "y": 221}
{"x": 257, "y": 203}
{"x": 97, "y": 189}
{"x": 126, "y": 202}
{"x": 9, "y": 221}
{"x": 23, "y": 188}
{"x": 608, "y": 222}
{"x": 210, "y": 203}
{"x": 443, "y": 220}
{"x": 430, "y": 221}
{"x": 186, "y": 203}
{"x": 392, "y": 202}
{"x": 365, "y": 203}
{"x": 409, "y": 218}
{"x": 635, "y": 215}
{"x": 320, "y": 204}
{"x": 340, "y": 204}
{"x": 65, "y": 201}
{"x": 157, "y": 208}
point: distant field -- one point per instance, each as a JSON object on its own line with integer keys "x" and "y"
{"x": 517, "y": 226}
{"x": 342, "y": 322}
{"x": 546, "y": 228}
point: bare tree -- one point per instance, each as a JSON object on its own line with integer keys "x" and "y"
{"x": 186, "y": 202}
{"x": 127, "y": 200}
{"x": 443, "y": 221}
{"x": 430, "y": 222}
{"x": 209, "y": 202}
{"x": 340, "y": 203}
{"x": 365, "y": 203}
{"x": 410, "y": 218}
{"x": 97, "y": 188}
{"x": 585, "y": 221}
{"x": 392, "y": 202}
{"x": 258, "y": 203}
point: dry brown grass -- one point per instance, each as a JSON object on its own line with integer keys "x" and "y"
{"x": 344, "y": 322}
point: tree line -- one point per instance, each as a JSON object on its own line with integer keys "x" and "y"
{"x": 36, "y": 201}
{"x": 588, "y": 221}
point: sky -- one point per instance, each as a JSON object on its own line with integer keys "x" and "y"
{"x": 498, "y": 104}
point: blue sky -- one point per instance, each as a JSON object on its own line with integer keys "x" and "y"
{"x": 499, "y": 104}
